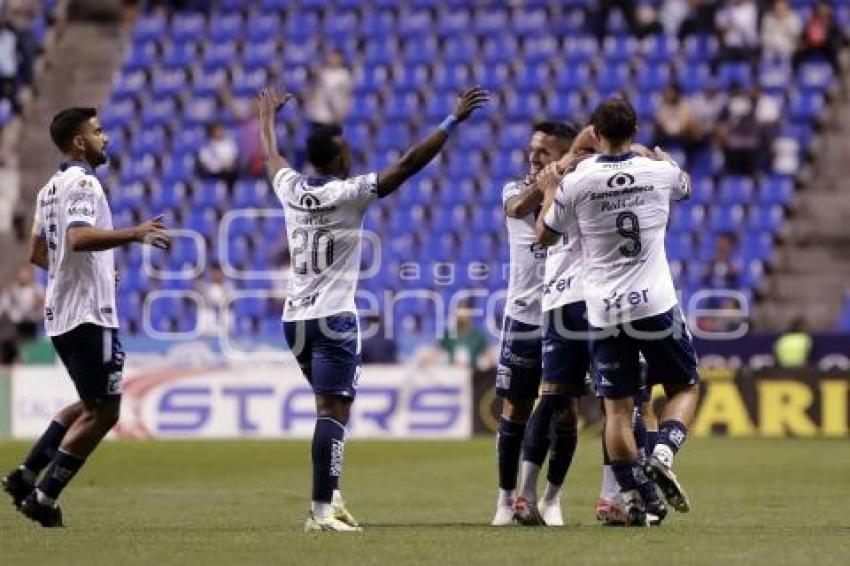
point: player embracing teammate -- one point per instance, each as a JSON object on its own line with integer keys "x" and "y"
{"x": 615, "y": 206}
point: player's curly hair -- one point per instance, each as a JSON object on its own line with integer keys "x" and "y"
{"x": 321, "y": 146}
{"x": 67, "y": 124}
{"x": 615, "y": 119}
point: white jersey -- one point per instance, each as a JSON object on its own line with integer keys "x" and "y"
{"x": 527, "y": 262}
{"x": 324, "y": 226}
{"x": 562, "y": 283}
{"x": 619, "y": 208}
{"x": 80, "y": 285}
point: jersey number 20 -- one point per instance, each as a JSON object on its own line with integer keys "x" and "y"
{"x": 629, "y": 228}
{"x": 307, "y": 250}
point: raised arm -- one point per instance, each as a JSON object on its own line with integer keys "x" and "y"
{"x": 547, "y": 180}
{"x": 269, "y": 101}
{"x": 90, "y": 239}
{"x": 418, "y": 156}
{"x": 526, "y": 202}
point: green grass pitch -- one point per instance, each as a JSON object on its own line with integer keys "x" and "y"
{"x": 243, "y": 502}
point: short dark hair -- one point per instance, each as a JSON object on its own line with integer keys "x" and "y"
{"x": 615, "y": 119}
{"x": 67, "y": 124}
{"x": 321, "y": 146}
{"x": 564, "y": 130}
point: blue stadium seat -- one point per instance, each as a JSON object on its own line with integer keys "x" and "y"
{"x": 523, "y": 106}
{"x": 302, "y": 25}
{"x": 694, "y": 78}
{"x": 490, "y": 21}
{"x": 658, "y": 49}
{"x": 580, "y": 49}
{"x": 188, "y": 26}
{"x": 573, "y": 77}
{"x": 776, "y": 189}
{"x": 619, "y": 49}
{"x": 379, "y": 23}
{"x": 736, "y": 190}
{"x": 420, "y": 50}
{"x": 530, "y": 22}
{"x": 540, "y": 49}
{"x": 612, "y": 79}
{"x": 491, "y": 77}
{"x": 816, "y": 77}
{"x": 259, "y": 55}
{"x": 219, "y": 55}
{"x": 415, "y": 23}
{"x": 141, "y": 56}
{"x": 653, "y": 78}
{"x": 179, "y": 55}
{"x": 168, "y": 82}
{"x": 263, "y": 26}
{"x": 499, "y": 49}
{"x": 765, "y": 218}
{"x": 564, "y": 106}
{"x": 805, "y": 106}
{"x": 460, "y": 50}
{"x": 225, "y": 27}
{"x": 454, "y": 22}
{"x": 700, "y": 49}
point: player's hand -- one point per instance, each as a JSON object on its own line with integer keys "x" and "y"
{"x": 549, "y": 178}
{"x": 585, "y": 142}
{"x": 271, "y": 99}
{"x": 661, "y": 155}
{"x": 642, "y": 150}
{"x": 470, "y": 100}
{"x": 153, "y": 233}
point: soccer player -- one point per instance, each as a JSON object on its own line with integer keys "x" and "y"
{"x": 617, "y": 205}
{"x": 519, "y": 370}
{"x": 73, "y": 239}
{"x": 324, "y": 219}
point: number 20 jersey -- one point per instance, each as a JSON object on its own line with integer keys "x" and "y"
{"x": 324, "y": 227}
{"x": 618, "y": 208}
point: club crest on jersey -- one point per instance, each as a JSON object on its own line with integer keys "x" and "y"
{"x": 309, "y": 201}
{"x": 620, "y": 180}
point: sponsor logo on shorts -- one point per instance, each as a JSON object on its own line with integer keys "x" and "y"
{"x": 113, "y": 383}
{"x": 503, "y": 377}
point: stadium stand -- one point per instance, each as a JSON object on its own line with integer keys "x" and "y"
{"x": 541, "y": 59}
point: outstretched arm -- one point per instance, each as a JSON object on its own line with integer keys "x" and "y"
{"x": 269, "y": 101}
{"x": 418, "y": 156}
{"x": 91, "y": 239}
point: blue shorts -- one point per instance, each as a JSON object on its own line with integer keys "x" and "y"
{"x": 328, "y": 351}
{"x": 94, "y": 359}
{"x": 520, "y": 360}
{"x": 670, "y": 357}
{"x": 566, "y": 356}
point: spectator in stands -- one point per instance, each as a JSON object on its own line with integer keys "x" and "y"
{"x": 821, "y": 37}
{"x": 329, "y": 94}
{"x": 673, "y": 15}
{"x": 247, "y": 134}
{"x": 599, "y": 16}
{"x": 465, "y": 343}
{"x": 700, "y": 18}
{"x": 793, "y": 348}
{"x": 646, "y": 22}
{"x": 724, "y": 269}
{"x": 737, "y": 27}
{"x": 216, "y": 294}
{"x": 377, "y": 347}
{"x": 708, "y": 106}
{"x": 218, "y": 156}
{"x": 780, "y": 31}
{"x": 17, "y": 52}
{"x": 675, "y": 121}
{"x": 24, "y": 303}
{"x": 739, "y": 134}
{"x": 768, "y": 110}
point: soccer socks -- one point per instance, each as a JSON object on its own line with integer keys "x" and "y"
{"x": 328, "y": 450}
{"x": 536, "y": 442}
{"x": 564, "y": 441}
{"x": 651, "y": 440}
{"x": 671, "y": 435}
{"x": 641, "y": 438}
{"x": 509, "y": 446}
{"x": 60, "y": 473}
{"x": 631, "y": 477}
{"x": 43, "y": 451}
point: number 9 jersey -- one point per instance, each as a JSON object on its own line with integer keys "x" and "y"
{"x": 324, "y": 226}
{"x": 618, "y": 207}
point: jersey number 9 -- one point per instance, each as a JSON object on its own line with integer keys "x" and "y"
{"x": 629, "y": 228}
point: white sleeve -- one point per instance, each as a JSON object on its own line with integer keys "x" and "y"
{"x": 559, "y": 217}
{"x": 510, "y": 190}
{"x": 84, "y": 201}
{"x": 37, "y": 220}
{"x": 362, "y": 189}
{"x": 284, "y": 182}
{"x": 679, "y": 183}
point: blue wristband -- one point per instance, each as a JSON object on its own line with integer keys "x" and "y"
{"x": 449, "y": 124}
